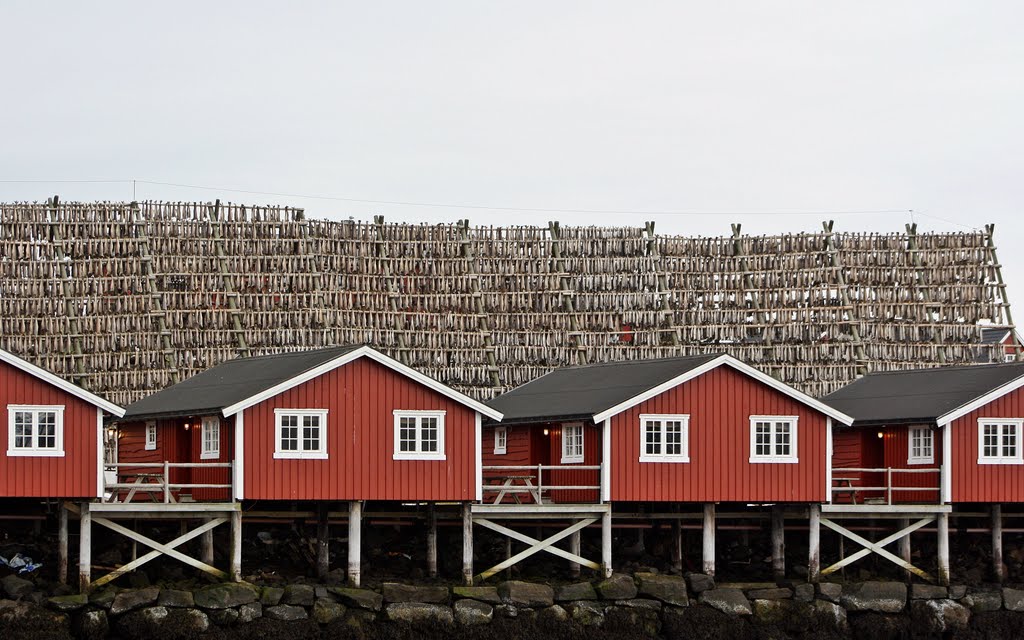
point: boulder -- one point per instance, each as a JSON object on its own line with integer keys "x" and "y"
{"x": 359, "y": 598}
{"x": 483, "y": 594}
{"x": 731, "y": 601}
{"x": 790, "y": 616}
{"x": 1013, "y": 599}
{"x": 830, "y": 591}
{"x": 226, "y": 595}
{"x": 506, "y": 611}
{"x": 984, "y": 601}
{"x": 575, "y": 591}
{"x": 326, "y": 611}
{"x": 668, "y": 589}
{"x": 223, "y": 617}
{"x": 473, "y": 612}
{"x": 397, "y": 592}
{"x": 16, "y": 587}
{"x": 176, "y": 599}
{"x": 417, "y": 614}
{"x": 269, "y": 596}
{"x": 957, "y": 591}
{"x": 249, "y": 612}
{"x": 132, "y": 599}
{"x": 881, "y": 597}
{"x": 937, "y": 617}
{"x": 646, "y": 621}
{"x": 554, "y": 614}
{"x": 303, "y": 595}
{"x": 641, "y": 603}
{"x": 287, "y": 612}
{"x": 143, "y": 623}
{"x": 588, "y": 614}
{"x": 700, "y": 582}
{"x": 804, "y": 592}
{"x": 104, "y": 597}
{"x": 93, "y": 625}
{"x": 778, "y": 593}
{"x": 830, "y": 615}
{"x": 928, "y": 592}
{"x": 526, "y": 594}
{"x": 69, "y": 603}
{"x": 617, "y": 587}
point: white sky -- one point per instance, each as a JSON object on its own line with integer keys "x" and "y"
{"x": 671, "y": 106}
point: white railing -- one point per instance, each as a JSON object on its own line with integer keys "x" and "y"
{"x": 158, "y": 481}
{"x": 515, "y": 480}
{"x": 846, "y": 485}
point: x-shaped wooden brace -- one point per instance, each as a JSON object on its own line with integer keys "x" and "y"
{"x": 547, "y": 544}
{"x": 159, "y": 548}
{"x": 877, "y": 547}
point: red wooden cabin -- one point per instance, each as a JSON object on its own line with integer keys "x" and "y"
{"x": 698, "y": 429}
{"x": 342, "y": 423}
{"x": 54, "y": 434}
{"x": 951, "y": 434}
{"x": 1004, "y": 337}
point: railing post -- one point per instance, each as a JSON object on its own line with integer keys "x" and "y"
{"x": 167, "y": 480}
{"x": 540, "y": 484}
{"x": 888, "y": 483}
{"x": 600, "y": 487}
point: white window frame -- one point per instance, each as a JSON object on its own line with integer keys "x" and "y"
{"x": 1009, "y": 357}
{"x": 500, "y": 440}
{"x": 683, "y": 456}
{"x": 573, "y": 458}
{"x": 151, "y": 435}
{"x": 209, "y": 423}
{"x": 320, "y": 453}
{"x": 793, "y": 456}
{"x": 1016, "y": 423}
{"x": 35, "y": 451}
{"x": 913, "y": 432}
{"x": 417, "y": 454}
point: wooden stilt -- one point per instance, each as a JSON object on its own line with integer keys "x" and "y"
{"x": 574, "y": 548}
{"x": 508, "y": 556}
{"x": 323, "y": 542}
{"x": 235, "y": 568}
{"x": 677, "y": 546}
{"x": 467, "y": 544}
{"x": 778, "y": 543}
{"x": 814, "y": 543}
{"x": 207, "y": 554}
{"x": 606, "y": 543}
{"x": 998, "y": 568}
{"x": 904, "y": 546}
{"x": 355, "y": 529}
{"x": 943, "y": 547}
{"x": 431, "y": 541}
{"x": 84, "y": 548}
{"x": 62, "y": 544}
{"x": 709, "y": 539}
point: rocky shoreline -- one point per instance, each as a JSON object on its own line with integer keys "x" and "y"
{"x": 644, "y": 605}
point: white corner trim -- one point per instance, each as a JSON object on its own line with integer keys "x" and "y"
{"x": 981, "y": 401}
{"x": 344, "y": 359}
{"x": 828, "y": 461}
{"x": 238, "y": 469}
{"x": 478, "y": 436}
{"x": 946, "y": 475}
{"x": 100, "y": 442}
{"x": 740, "y": 366}
{"x": 60, "y": 383}
{"x": 606, "y": 461}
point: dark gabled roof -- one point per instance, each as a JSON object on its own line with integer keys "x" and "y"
{"x": 581, "y": 392}
{"x": 919, "y": 395}
{"x": 994, "y": 335}
{"x": 231, "y": 382}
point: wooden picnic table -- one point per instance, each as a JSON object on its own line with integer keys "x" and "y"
{"x": 507, "y": 484}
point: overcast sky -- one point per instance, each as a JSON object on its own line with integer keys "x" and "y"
{"x": 719, "y": 107}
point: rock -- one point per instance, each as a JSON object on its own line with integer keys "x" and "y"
{"x": 984, "y": 601}
{"x": 830, "y": 591}
{"x": 1013, "y": 599}
{"x": 326, "y": 611}
{"x": 618, "y": 587}
{"x": 359, "y": 598}
{"x": 928, "y": 592}
{"x": 778, "y": 593}
{"x": 731, "y": 601}
{"x": 790, "y": 616}
{"x": 939, "y": 616}
{"x": 132, "y": 599}
{"x": 588, "y": 614}
{"x": 642, "y": 603}
{"x": 175, "y": 598}
{"x": 36, "y": 598}
{"x": 68, "y": 603}
{"x": 416, "y": 613}
{"x": 288, "y": 612}
{"x": 554, "y": 614}
{"x": 706, "y": 623}
{"x": 16, "y": 587}
{"x": 883, "y": 597}
{"x": 269, "y": 596}
{"x": 104, "y": 597}
{"x": 473, "y": 612}
{"x": 576, "y": 591}
{"x": 957, "y": 591}
{"x": 93, "y": 625}
{"x": 647, "y": 621}
{"x": 397, "y": 592}
{"x": 506, "y": 611}
{"x": 700, "y": 582}
{"x": 223, "y": 617}
{"x": 830, "y": 615}
{"x": 483, "y": 594}
{"x": 303, "y": 595}
{"x": 143, "y": 623}
{"x": 322, "y": 593}
{"x": 226, "y": 595}
{"x": 804, "y": 592}
{"x": 526, "y": 594}
{"x": 249, "y": 612}
{"x": 188, "y": 621}
{"x": 668, "y": 589}
{"x": 360, "y": 619}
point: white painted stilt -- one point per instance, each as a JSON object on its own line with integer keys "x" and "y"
{"x": 207, "y": 542}
{"x": 467, "y": 544}
{"x": 574, "y": 548}
{"x": 235, "y": 567}
{"x": 814, "y": 543}
{"x": 606, "y": 543}
{"x": 778, "y": 542}
{"x": 62, "y": 544}
{"x": 904, "y": 546}
{"x": 355, "y": 529}
{"x": 431, "y": 541}
{"x": 677, "y": 545}
{"x": 943, "y": 548}
{"x": 323, "y": 542}
{"x": 84, "y": 548}
{"x": 709, "y": 539}
{"x": 998, "y": 568}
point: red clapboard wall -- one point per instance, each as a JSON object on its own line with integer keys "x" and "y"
{"x": 973, "y": 482}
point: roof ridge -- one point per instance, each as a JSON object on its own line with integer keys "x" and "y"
{"x": 957, "y": 367}
{"x": 295, "y": 352}
{"x": 641, "y": 361}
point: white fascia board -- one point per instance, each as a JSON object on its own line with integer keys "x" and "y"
{"x": 981, "y": 401}
{"x": 742, "y": 368}
{"x": 61, "y": 383}
{"x": 354, "y": 355}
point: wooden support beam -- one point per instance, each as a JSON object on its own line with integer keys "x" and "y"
{"x": 677, "y": 545}
{"x": 943, "y": 547}
{"x": 547, "y": 544}
{"x": 355, "y": 530}
{"x": 84, "y": 548}
{"x": 431, "y": 540}
{"x": 606, "y": 543}
{"x": 998, "y": 568}
{"x": 574, "y": 548}
{"x": 904, "y": 546}
{"x": 235, "y": 568}
{"x": 467, "y": 544}
{"x": 207, "y": 541}
{"x": 323, "y": 542}
{"x": 877, "y": 547}
{"x": 778, "y": 542}
{"x": 62, "y": 544}
{"x": 814, "y": 543}
{"x": 708, "y": 555}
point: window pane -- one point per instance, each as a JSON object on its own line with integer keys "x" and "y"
{"x": 428, "y": 435}
{"x": 762, "y": 439}
{"x": 310, "y": 433}
{"x": 22, "y": 429}
{"x": 652, "y": 438}
{"x": 674, "y": 438}
{"x": 289, "y": 433}
{"x": 782, "y": 435}
{"x": 47, "y": 430}
{"x": 407, "y": 434}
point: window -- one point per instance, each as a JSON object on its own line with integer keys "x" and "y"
{"x": 150, "y": 436}
{"x": 922, "y": 447}
{"x": 999, "y": 441}
{"x": 301, "y": 433}
{"x": 1009, "y": 357}
{"x": 572, "y": 443}
{"x": 500, "y": 439}
{"x": 210, "y": 437}
{"x": 35, "y": 430}
{"x": 773, "y": 439}
{"x": 419, "y": 435}
{"x": 664, "y": 438}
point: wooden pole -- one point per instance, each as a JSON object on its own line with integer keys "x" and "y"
{"x": 778, "y": 543}
{"x": 709, "y": 539}
{"x": 814, "y": 544}
{"x": 84, "y": 548}
{"x": 467, "y": 544}
{"x": 323, "y": 542}
{"x": 606, "y": 542}
{"x": 431, "y": 540}
{"x": 355, "y": 529}
{"x": 207, "y": 555}
{"x": 943, "y": 545}
{"x": 235, "y": 568}
{"x": 998, "y": 568}
{"x": 574, "y": 548}
{"x": 62, "y": 544}
{"x": 677, "y": 545}
{"x": 904, "y": 547}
